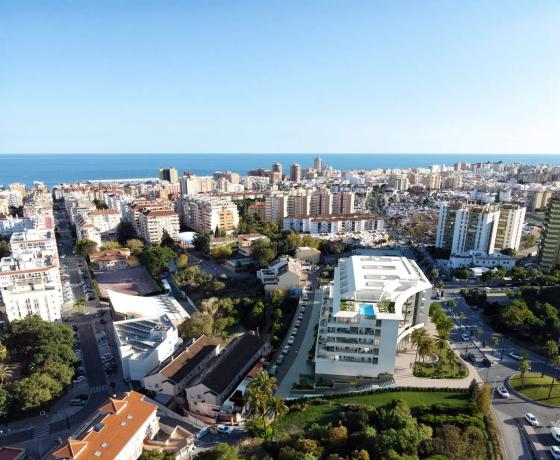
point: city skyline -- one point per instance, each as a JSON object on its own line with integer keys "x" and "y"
{"x": 370, "y": 78}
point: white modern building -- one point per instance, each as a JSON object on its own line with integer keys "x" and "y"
{"x": 510, "y": 227}
{"x": 372, "y": 306}
{"x": 33, "y": 242}
{"x": 334, "y": 224}
{"x": 144, "y": 344}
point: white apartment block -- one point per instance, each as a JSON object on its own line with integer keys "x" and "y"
{"x": 368, "y": 312}
{"x": 510, "y": 227}
{"x": 334, "y": 223}
{"x": 144, "y": 344}
{"x": 153, "y": 223}
{"x": 134, "y": 210}
{"x": 36, "y": 243}
{"x": 206, "y": 213}
{"x": 275, "y": 206}
{"x": 193, "y": 185}
{"x": 77, "y": 204}
{"x": 466, "y": 228}
{"x": 10, "y": 225}
{"x": 30, "y": 285}
{"x": 105, "y": 221}
{"x": 118, "y": 201}
{"x": 4, "y": 203}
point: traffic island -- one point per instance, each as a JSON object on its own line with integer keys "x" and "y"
{"x": 533, "y": 387}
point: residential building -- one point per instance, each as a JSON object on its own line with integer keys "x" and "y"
{"x": 173, "y": 377}
{"x": 276, "y": 207}
{"x": 99, "y": 225}
{"x": 463, "y": 228}
{"x": 299, "y": 203}
{"x": 30, "y": 285}
{"x": 481, "y": 259}
{"x": 258, "y": 208}
{"x": 207, "y": 396}
{"x": 169, "y": 174}
{"x": 154, "y": 222}
{"x": 295, "y": 173}
{"x": 117, "y": 431}
{"x": 110, "y": 259}
{"x": 134, "y": 210}
{"x": 193, "y": 185}
{"x": 318, "y": 164}
{"x": 10, "y": 224}
{"x": 231, "y": 177}
{"x": 4, "y": 203}
{"x": 308, "y": 254}
{"x": 35, "y": 243}
{"x": 334, "y": 223}
{"x": 373, "y": 304}
{"x": 144, "y": 344}
{"x": 206, "y": 213}
{"x": 538, "y": 198}
{"x": 277, "y": 170}
{"x": 283, "y": 274}
{"x": 549, "y": 246}
{"x": 510, "y": 227}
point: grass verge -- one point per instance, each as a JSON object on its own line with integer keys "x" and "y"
{"x": 537, "y": 388}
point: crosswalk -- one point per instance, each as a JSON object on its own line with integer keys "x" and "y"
{"x": 41, "y": 431}
{"x": 98, "y": 388}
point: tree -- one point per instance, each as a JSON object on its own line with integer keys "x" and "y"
{"x": 4, "y": 402}
{"x": 34, "y": 391}
{"x": 198, "y": 324}
{"x": 483, "y": 399}
{"x": 264, "y": 408}
{"x": 5, "y": 373}
{"x": 85, "y": 248}
{"x": 221, "y": 452}
{"x": 156, "y": 455}
{"x": 461, "y": 318}
{"x": 4, "y": 249}
{"x": 135, "y": 246}
{"x": 551, "y": 350}
{"x": 80, "y": 305}
{"x": 425, "y": 347}
{"x": 524, "y": 367}
{"x": 110, "y": 245}
{"x": 182, "y": 261}
{"x": 166, "y": 240}
{"x": 3, "y": 352}
{"x": 440, "y": 345}
{"x": 263, "y": 252}
{"x": 221, "y": 252}
{"x": 556, "y": 365}
{"x": 100, "y": 204}
{"x": 125, "y": 232}
{"x": 201, "y": 242}
{"x": 416, "y": 337}
{"x": 495, "y": 342}
{"x": 60, "y": 372}
{"x": 157, "y": 259}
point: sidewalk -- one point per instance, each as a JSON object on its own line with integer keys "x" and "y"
{"x": 403, "y": 375}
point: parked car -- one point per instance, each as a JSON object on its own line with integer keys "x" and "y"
{"x": 285, "y": 350}
{"x": 515, "y": 355}
{"x": 79, "y": 379}
{"x": 555, "y": 432}
{"x": 466, "y": 337}
{"x": 502, "y": 391}
{"x": 224, "y": 429}
{"x": 531, "y": 419}
{"x": 291, "y": 340}
{"x": 280, "y": 360}
{"x": 273, "y": 370}
{"x": 555, "y": 452}
{"x": 77, "y": 402}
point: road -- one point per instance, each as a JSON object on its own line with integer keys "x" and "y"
{"x": 507, "y": 411}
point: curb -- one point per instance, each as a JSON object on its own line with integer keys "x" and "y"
{"x": 525, "y": 398}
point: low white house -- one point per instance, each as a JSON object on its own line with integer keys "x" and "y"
{"x": 283, "y": 274}
{"x": 481, "y": 259}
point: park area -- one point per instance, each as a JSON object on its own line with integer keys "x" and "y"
{"x": 448, "y": 366}
{"x": 298, "y": 421}
{"x": 537, "y": 388}
{"x": 133, "y": 281}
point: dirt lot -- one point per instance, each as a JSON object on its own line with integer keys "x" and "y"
{"x": 134, "y": 280}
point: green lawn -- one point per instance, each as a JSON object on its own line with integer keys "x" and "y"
{"x": 449, "y": 366}
{"x": 537, "y": 388}
{"x": 296, "y": 421}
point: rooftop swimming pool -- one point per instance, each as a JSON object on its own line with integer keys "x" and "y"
{"x": 367, "y": 310}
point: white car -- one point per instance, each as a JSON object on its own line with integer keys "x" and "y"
{"x": 531, "y": 419}
{"x": 285, "y": 350}
{"x": 224, "y": 429}
{"x": 466, "y": 337}
{"x": 79, "y": 379}
{"x": 515, "y": 355}
{"x": 555, "y": 452}
{"x": 502, "y": 391}
{"x": 291, "y": 340}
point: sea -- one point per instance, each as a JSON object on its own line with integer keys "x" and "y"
{"x": 54, "y": 169}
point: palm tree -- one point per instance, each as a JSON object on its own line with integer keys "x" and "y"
{"x": 556, "y": 364}
{"x": 440, "y": 344}
{"x": 495, "y": 342}
{"x": 444, "y": 327}
{"x": 5, "y": 373}
{"x": 80, "y": 305}
{"x": 3, "y": 352}
{"x": 261, "y": 402}
{"x": 478, "y": 331}
{"x": 416, "y": 337}
{"x": 461, "y": 318}
{"x": 551, "y": 350}
{"x": 426, "y": 347}
{"x": 524, "y": 367}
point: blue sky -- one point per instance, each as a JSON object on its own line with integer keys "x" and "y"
{"x": 279, "y": 76}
